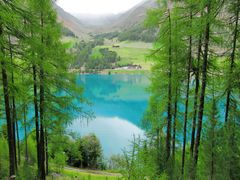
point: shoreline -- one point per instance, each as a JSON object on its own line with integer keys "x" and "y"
{"x": 112, "y": 71}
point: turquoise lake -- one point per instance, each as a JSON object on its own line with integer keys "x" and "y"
{"x": 118, "y": 103}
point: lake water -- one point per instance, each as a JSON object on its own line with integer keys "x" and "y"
{"x": 119, "y": 102}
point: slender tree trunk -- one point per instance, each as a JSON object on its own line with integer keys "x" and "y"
{"x": 15, "y": 127}
{"x": 11, "y": 146}
{"x": 196, "y": 96}
{"x": 42, "y": 149}
{"x": 42, "y": 99}
{"x": 14, "y": 138}
{"x": 234, "y": 44}
{"x": 8, "y": 113}
{"x": 204, "y": 84}
{"x": 25, "y": 132}
{"x": 46, "y": 148}
{"x": 36, "y": 116}
{"x": 189, "y": 65}
{"x": 174, "y": 124}
{"x": 169, "y": 106}
{"x": 14, "y": 120}
{"x": 18, "y": 144}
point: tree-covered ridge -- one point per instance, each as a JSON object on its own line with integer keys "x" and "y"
{"x": 136, "y": 33}
{"x": 192, "y": 121}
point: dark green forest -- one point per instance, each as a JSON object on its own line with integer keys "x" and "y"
{"x": 94, "y": 60}
{"x": 191, "y": 124}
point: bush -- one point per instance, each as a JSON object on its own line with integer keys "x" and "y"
{"x": 60, "y": 161}
{"x": 85, "y": 152}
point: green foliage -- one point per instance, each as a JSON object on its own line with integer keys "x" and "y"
{"x": 93, "y": 58}
{"x": 135, "y": 33}
{"x": 70, "y": 174}
{"x": 37, "y": 88}
{"x": 116, "y": 162}
{"x": 3, "y": 158}
{"x": 91, "y": 151}
{"x": 67, "y": 32}
{"x": 73, "y": 152}
{"x": 60, "y": 161}
{"x": 26, "y": 172}
{"x": 84, "y": 152}
{"x": 138, "y": 33}
{"x": 217, "y": 156}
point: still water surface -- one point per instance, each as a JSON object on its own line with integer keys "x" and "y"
{"x": 119, "y": 102}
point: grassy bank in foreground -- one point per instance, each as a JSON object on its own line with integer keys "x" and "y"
{"x": 73, "y": 173}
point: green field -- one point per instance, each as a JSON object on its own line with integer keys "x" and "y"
{"x": 131, "y": 53}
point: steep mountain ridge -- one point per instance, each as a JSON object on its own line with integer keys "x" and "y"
{"x": 72, "y": 23}
{"x": 83, "y": 26}
{"x": 134, "y": 16}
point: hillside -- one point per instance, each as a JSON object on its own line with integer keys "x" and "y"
{"x": 72, "y": 23}
{"x": 83, "y": 25}
{"x": 133, "y": 17}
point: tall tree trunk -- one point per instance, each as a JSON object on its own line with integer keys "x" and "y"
{"x": 42, "y": 144}
{"x": 25, "y": 132}
{"x": 42, "y": 149}
{"x": 14, "y": 137}
{"x": 42, "y": 99}
{"x": 14, "y": 120}
{"x": 46, "y": 149}
{"x": 169, "y": 106}
{"x": 204, "y": 84}
{"x": 189, "y": 66}
{"x": 174, "y": 124}
{"x": 196, "y": 96}
{"x": 18, "y": 143}
{"x": 10, "y": 132}
{"x": 36, "y": 116}
{"x": 11, "y": 146}
{"x": 234, "y": 44}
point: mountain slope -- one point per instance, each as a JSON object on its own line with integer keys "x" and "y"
{"x": 72, "y": 23}
{"x": 84, "y": 25}
{"x": 134, "y": 16}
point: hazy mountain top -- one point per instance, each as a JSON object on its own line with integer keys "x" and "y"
{"x": 83, "y": 24}
{"x": 72, "y": 23}
{"x": 97, "y": 20}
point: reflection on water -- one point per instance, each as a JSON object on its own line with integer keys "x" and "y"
{"x": 119, "y": 102}
{"x": 114, "y": 133}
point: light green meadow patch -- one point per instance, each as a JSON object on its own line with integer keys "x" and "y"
{"x": 131, "y": 53}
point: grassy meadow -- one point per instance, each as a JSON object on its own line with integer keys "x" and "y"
{"x": 131, "y": 53}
